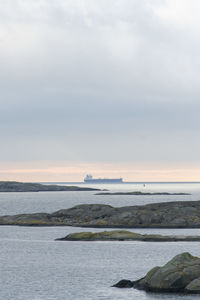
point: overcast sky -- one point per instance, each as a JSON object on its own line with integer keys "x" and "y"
{"x": 110, "y": 87}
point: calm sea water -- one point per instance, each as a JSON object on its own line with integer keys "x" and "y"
{"x": 35, "y": 267}
{"x": 13, "y": 203}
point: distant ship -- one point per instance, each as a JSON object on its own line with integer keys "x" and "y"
{"x": 89, "y": 179}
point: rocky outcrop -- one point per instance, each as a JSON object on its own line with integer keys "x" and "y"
{"x": 185, "y": 214}
{"x": 144, "y": 194}
{"x": 179, "y": 275}
{"x": 123, "y": 235}
{"x": 14, "y": 186}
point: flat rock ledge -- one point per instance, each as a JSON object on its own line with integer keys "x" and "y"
{"x": 143, "y": 194}
{"x": 180, "y": 214}
{"x": 179, "y": 275}
{"x": 123, "y": 235}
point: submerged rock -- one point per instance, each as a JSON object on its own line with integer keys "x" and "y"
{"x": 123, "y": 235}
{"x": 181, "y": 274}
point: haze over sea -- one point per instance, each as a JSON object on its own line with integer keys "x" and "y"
{"x": 35, "y": 267}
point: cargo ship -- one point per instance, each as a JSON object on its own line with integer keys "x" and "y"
{"x": 89, "y": 179}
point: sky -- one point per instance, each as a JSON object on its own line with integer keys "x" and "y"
{"x": 108, "y": 87}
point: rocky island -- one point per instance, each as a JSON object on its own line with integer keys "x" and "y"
{"x": 179, "y": 275}
{"x": 123, "y": 235}
{"x": 14, "y": 186}
{"x": 144, "y": 194}
{"x": 180, "y": 214}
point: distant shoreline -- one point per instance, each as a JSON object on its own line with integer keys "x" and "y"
{"x": 14, "y": 186}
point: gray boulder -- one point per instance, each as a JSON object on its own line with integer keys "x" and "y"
{"x": 181, "y": 274}
{"x": 124, "y": 284}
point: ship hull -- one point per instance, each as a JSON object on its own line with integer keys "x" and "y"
{"x": 103, "y": 180}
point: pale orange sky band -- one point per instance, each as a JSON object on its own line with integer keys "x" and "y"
{"x": 76, "y": 171}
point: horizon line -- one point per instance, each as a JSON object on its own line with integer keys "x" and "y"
{"x": 124, "y": 182}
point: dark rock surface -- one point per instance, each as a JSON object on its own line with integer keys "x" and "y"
{"x": 143, "y": 194}
{"x": 124, "y": 284}
{"x": 14, "y": 186}
{"x": 180, "y": 275}
{"x": 123, "y": 235}
{"x": 180, "y": 214}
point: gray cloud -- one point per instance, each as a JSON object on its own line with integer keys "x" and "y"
{"x": 99, "y": 80}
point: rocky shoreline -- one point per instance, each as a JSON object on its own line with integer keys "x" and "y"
{"x": 180, "y": 275}
{"x": 14, "y": 186}
{"x": 180, "y": 214}
{"x": 123, "y": 235}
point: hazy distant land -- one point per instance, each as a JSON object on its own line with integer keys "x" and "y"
{"x": 14, "y": 186}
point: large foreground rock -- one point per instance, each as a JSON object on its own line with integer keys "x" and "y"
{"x": 185, "y": 214}
{"x": 124, "y": 235}
{"x": 181, "y": 274}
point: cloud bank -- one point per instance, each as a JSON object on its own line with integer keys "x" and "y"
{"x": 100, "y": 81}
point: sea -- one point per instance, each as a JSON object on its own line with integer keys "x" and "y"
{"x": 33, "y": 266}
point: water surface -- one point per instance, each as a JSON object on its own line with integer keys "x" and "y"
{"x": 14, "y": 203}
{"x": 35, "y": 267}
